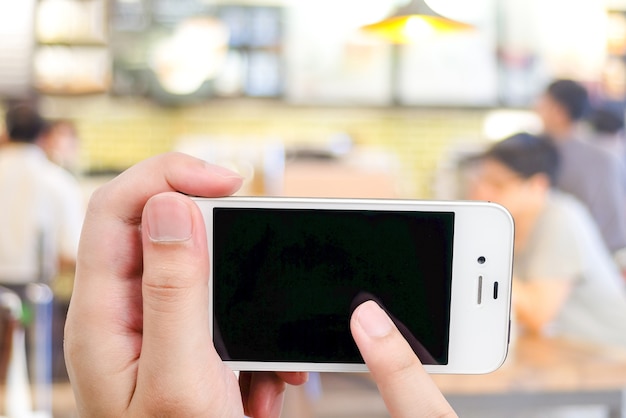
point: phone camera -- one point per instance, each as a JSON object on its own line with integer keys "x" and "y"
{"x": 481, "y": 260}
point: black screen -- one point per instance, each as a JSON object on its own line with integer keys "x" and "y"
{"x": 285, "y": 281}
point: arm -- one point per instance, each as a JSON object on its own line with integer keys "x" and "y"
{"x": 607, "y": 202}
{"x": 538, "y": 302}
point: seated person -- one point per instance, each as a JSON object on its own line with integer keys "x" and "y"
{"x": 565, "y": 281}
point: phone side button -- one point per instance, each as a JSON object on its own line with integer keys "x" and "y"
{"x": 509, "y": 336}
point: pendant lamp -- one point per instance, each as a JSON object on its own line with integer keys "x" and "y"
{"x": 412, "y": 22}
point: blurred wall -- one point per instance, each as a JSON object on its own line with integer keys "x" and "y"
{"x": 117, "y": 133}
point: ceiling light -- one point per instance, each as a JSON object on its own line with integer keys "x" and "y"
{"x": 414, "y": 22}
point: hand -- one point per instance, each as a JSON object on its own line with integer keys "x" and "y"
{"x": 408, "y": 391}
{"x": 137, "y": 339}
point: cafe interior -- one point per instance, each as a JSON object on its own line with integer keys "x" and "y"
{"x": 324, "y": 98}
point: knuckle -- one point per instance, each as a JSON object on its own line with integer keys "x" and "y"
{"x": 164, "y": 289}
{"x": 169, "y": 284}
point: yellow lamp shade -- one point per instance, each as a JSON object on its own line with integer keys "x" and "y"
{"x": 412, "y": 23}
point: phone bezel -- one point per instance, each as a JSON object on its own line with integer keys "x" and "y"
{"x": 478, "y": 331}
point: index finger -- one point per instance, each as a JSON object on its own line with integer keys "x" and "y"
{"x": 125, "y": 196}
{"x": 408, "y": 391}
{"x": 110, "y": 235}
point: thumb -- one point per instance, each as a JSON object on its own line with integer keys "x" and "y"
{"x": 408, "y": 391}
{"x": 177, "y": 350}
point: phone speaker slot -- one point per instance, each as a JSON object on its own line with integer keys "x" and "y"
{"x": 495, "y": 290}
{"x": 480, "y": 290}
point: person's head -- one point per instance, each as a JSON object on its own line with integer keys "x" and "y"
{"x": 605, "y": 121}
{"x": 60, "y": 142}
{"x": 23, "y": 124}
{"x": 563, "y": 103}
{"x": 517, "y": 173}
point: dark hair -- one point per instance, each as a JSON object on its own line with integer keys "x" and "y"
{"x": 606, "y": 121}
{"x": 23, "y": 123}
{"x": 526, "y": 155}
{"x": 572, "y": 96}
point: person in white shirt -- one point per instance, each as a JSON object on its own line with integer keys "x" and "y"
{"x": 42, "y": 206}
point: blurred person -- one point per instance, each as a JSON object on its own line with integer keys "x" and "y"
{"x": 40, "y": 221}
{"x": 587, "y": 172}
{"x": 138, "y": 339}
{"x": 565, "y": 281}
{"x": 59, "y": 140}
{"x": 607, "y": 127}
{"x": 42, "y": 213}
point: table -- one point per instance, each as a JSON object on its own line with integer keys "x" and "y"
{"x": 538, "y": 373}
{"x": 544, "y": 372}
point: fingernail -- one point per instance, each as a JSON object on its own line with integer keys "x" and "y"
{"x": 374, "y": 320}
{"x": 223, "y": 172}
{"x": 169, "y": 219}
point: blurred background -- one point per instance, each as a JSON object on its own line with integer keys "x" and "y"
{"x": 302, "y": 97}
{"x": 140, "y": 77}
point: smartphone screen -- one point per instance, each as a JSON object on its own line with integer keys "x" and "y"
{"x": 285, "y": 281}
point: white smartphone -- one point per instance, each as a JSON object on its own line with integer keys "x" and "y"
{"x": 286, "y": 274}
